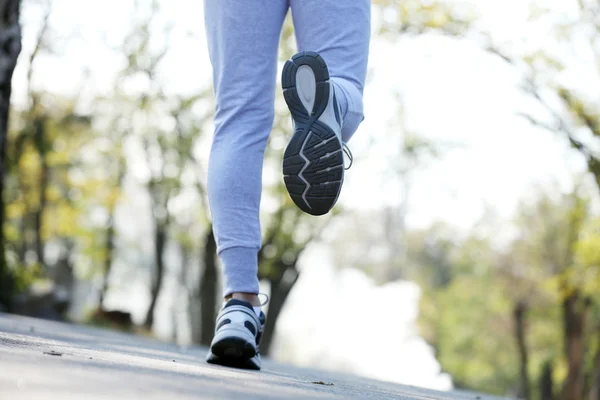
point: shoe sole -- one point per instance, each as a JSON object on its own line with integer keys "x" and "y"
{"x": 313, "y": 162}
{"x": 233, "y": 347}
{"x": 233, "y": 342}
{"x": 233, "y": 362}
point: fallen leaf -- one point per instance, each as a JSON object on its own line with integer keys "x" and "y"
{"x": 323, "y": 383}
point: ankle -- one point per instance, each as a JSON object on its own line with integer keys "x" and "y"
{"x": 249, "y": 297}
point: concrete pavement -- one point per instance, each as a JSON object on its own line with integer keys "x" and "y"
{"x": 48, "y": 360}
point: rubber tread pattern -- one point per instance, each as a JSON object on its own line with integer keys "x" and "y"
{"x": 233, "y": 347}
{"x": 313, "y": 162}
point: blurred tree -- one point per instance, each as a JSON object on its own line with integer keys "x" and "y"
{"x": 65, "y": 229}
{"x": 583, "y": 280}
{"x": 161, "y": 185}
{"x": 520, "y": 290}
{"x": 10, "y": 43}
{"x": 550, "y": 231}
{"x": 418, "y": 17}
{"x": 115, "y": 164}
{"x": 466, "y": 316}
{"x": 560, "y": 76}
{"x": 40, "y": 139}
{"x": 167, "y": 129}
{"x": 162, "y": 162}
{"x": 287, "y": 236}
{"x": 208, "y": 288}
{"x": 35, "y": 133}
{"x": 546, "y": 382}
{"x": 45, "y": 197}
{"x": 413, "y": 151}
{"x": 186, "y": 123}
{"x": 519, "y": 315}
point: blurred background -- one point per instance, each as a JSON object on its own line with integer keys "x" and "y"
{"x": 466, "y": 240}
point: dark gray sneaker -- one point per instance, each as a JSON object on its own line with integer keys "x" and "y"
{"x": 313, "y": 163}
{"x": 237, "y": 336}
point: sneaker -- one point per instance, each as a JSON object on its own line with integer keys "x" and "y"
{"x": 313, "y": 163}
{"x": 237, "y": 336}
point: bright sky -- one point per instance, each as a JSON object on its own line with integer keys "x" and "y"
{"x": 452, "y": 92}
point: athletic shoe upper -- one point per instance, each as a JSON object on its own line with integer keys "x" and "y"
{"x": 237, "y": 336}
{"x": 333, "y": 107}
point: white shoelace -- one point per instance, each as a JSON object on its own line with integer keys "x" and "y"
{"x": 348, "y": 153}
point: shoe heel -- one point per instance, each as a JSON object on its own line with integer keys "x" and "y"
{"x": 233, "y": 343}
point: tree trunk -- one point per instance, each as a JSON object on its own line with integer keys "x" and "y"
{"x": 22, "y": 246}
{"x": 280, "y": 289}
{"x": 208, "y": 289}
{"x": 108, "y": 248}
{"x": 574, "y": 313}
{"x": 519, "y": 315}
{"x": 595, "y": 384}
{"x": 109, "y": 245}
{"x": 546, "y": 382}
{"x": 10, "y": 47}
{"x": 183, "y": 294}
{"x": 160, "y": 238}
{"x": 40, "y": 139}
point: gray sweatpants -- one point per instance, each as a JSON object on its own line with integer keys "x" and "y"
{"x": 243, "y": 39}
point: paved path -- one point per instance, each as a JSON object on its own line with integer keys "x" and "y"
{"x": 48, "y": 360}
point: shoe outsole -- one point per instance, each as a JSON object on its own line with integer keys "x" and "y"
{"x": 313, "y": 162}
{"x": 233, "y": 348}
{"x": 233, "y": 362}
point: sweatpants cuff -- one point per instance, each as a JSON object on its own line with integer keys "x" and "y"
{"x": 240, "y": 270}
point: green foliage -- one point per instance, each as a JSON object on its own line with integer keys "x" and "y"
{"x": 417, "y": 17}
{"x": 476, "y": 345}
{"x": 25, "y": 276}
{"x": 467, "y": 315}
{"x": 585, "y": 272}
{"x": 54, "y": 166}
{"x": 469, "y": 320}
